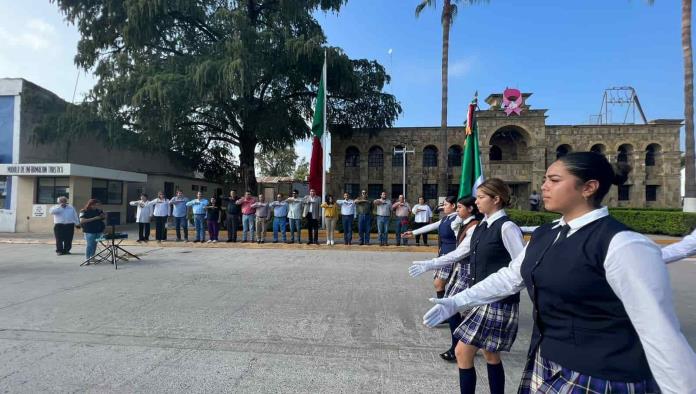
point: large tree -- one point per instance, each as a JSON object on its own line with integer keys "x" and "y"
{"x": 277, "y": 162}
{"x": 207, "y": 78}
{"x": 689, "y": 148}
{"x": 449, "y": 11}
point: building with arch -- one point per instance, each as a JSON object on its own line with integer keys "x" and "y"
{"x": 515, "y": 148}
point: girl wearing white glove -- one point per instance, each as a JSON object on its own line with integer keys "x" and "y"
{"x": 467, "y": 221}
{"x": 604, "y": 320}
{"x": 447, "y": 241}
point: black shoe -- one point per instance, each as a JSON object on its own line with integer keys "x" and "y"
{"x": 362, "y": 243}
{"x": 448, "y": 356}
{"x": 59, "y": 253}
{"x": 67, "y": 252}
{"x": 229, "y": 240}
{"x": 195, "y": 241}
{"x": 309, "y": 242}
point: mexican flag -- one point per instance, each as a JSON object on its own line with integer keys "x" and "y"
{"x": 472, "y": 171}
{"x": 316, "y": 162}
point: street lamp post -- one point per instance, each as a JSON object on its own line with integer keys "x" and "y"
{"x": 403, "y": 153}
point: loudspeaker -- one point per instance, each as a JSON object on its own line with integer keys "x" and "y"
{"x": 113, "y": 218}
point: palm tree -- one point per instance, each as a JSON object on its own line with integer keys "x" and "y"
{"x": 449, "y": 12}
{"x": 689, "y": 149}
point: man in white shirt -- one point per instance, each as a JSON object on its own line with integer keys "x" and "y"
{"x": 64, "y": 221}
{"x": 347, "y": 215}
{"x": 423, "y": 215}
{"x": 142, "y": 216}
{"x": 161, "y": 212}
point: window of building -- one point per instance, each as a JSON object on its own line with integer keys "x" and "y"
{"x": 430, "y": 156}
{"x": 3, "y": 192}
{"x": 353, "y": 189}
{"x": 374, "y": 190}
{"x": 398, "y": 158}
{"x": 598, "y": 148}
{"x": 624, "y": 192}
{"x": 352, "y": 157}
{"x": 495, "y": 154}
{"x": 563, "y": 150}
{"x": 49, "y": 189}
{"x": 430, "y": 191}
{"x": 452, "y": 190}
{"x": 651, "y": 192}
{"x": 194, "y": 188}
{"x": 454, "y": 156}
{"x": 107, "y": 192}
{"x": 204, "y": 189}
{"x": 397, "y": 189}
{"x": 651, "y": 153}
{"x": 375, "y": 157}
{"x": 624, "y": 152}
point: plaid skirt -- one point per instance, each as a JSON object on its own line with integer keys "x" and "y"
{"x": 443, "y": 273}
{"x": 542, "y": 376}
{"x": 458, "y": 280}
{"x": 491, "y": 327}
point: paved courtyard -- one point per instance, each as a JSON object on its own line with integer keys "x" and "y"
{"x": 242, "y": 320}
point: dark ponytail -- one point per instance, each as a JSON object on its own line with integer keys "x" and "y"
{"x": 470, "y": 202}
{"x": 587, "y": 166}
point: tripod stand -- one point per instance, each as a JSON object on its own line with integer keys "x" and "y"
{"x": 112, "y": 250}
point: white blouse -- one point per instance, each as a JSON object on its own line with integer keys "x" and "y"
{"x": 637, "y": 274}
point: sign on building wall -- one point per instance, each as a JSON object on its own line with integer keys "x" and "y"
{"x": 34, "y": 169}
{"x": 39, "y": 211}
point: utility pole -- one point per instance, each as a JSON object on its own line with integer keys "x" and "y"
{"x": 403, "y": 152}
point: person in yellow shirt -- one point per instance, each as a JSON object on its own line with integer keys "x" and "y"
{"x": 330, "y": 218}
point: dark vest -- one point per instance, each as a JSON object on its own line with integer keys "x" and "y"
{"x": 488, "y": 254}
{"x": 447, "y": 239}
{"x": 578, "y": 320}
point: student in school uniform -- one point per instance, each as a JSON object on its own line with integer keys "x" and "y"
{"x": 604, "y": 320}
{"x": 491, "y": 328}
{"x": 447, "y": 241}
{"x": 465, "y": 224}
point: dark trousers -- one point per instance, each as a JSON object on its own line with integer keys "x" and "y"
{"x": 347, "y": 229}
{"x": 312, "y": 228}
{"x": 64, "y": 235}
{"x": 364, "y": 227}
{"x": 143, "y": 231}
{"x": 418, "y": 237}
{"x": 160, "y": 230}
{"x": 232, "y": 224}
{"x": 213, "y": 229}
{"x": 181, "y": 222}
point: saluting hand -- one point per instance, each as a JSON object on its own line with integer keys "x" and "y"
{"x": 419, "y": 267}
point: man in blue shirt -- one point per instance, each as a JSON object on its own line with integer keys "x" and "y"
{"x": 180, "y": 213}
{"x": 280, "y": 216}
{"x": 198, "y": 206}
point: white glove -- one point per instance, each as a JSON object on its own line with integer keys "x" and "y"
{"x": 443, "y": 309}
{"x": 420, "y": 267}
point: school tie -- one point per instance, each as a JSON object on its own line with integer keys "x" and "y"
{"x": 563, "y": 234}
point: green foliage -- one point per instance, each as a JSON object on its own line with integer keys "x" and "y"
{"x": 277, "y": 162}
{"x": 206, "y": 78}
{"x": 302, "y": 170}
{"x": 529, "y": 218}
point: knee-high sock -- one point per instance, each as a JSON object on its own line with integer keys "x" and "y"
{"x": 496, "y": 378}
{"x": 467, "y": 381}
{"x": 440, "y": 294}
{"x": 454, "y": 322}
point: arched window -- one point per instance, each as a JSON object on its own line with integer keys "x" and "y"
{"x": 599, "y": 149}
{"x": 352, "y": 157}
{"x": 454, "y": 156}
{"x": 563, "y": 150}
{"x": 624, "y": 153}
{"x": 430, "y": 156}
{"x": 375, "y": 157}
{"x": 398, "y": 158}
{"x": 495, "y": 154}
{"x": 651, "y": 153}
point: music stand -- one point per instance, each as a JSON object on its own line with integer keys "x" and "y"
{"x": 111, "y": 243}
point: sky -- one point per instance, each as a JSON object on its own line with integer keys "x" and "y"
{"x": 564, "y": 52}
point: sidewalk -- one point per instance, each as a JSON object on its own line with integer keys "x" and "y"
{"x": 132, "y": 230}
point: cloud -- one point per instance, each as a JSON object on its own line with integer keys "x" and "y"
{"x": 36, "y": 34}
{"x": 461, "y": 67}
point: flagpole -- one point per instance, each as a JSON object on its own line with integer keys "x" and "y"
{"x": 323, "y": 143}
